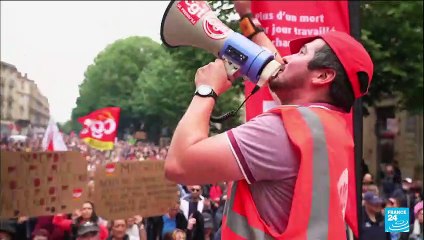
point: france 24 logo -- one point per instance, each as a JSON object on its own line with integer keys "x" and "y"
{"x": 396, "y": 220}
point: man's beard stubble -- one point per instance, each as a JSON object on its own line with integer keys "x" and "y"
{"x": 280, "y": 84}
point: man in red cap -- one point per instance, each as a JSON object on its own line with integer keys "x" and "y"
{"x": 289, "y": 165}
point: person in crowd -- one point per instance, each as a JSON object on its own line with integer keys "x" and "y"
{"x": 55, "y": 232}
{"x": 183, "y": 192}
{"x": 86, "y": 214}
{"x": 367, "y": 180}
{"x": 392, "y": 203}
{"x": 215, "y": 194}
{"x": 168, "y": 236}
{"x": 395, "y": 203}
{"x": 208, "y": 225}
{"x": 417, "y": 189}
{"x": 41, "y": 234}
{"x": 135, "y": 228}
{"x": 417, "y": 230}
{"x": 397, "y": 176}
{"x": 118, "y": 230}
{"x": 25, "y": 226}
{"x": 373, "y": 219}
{"x": 406, "y": 196}
{"x": 389, "y": 185}
{"x": 7, "y": 229}
{"x": 195, "y": 226}
{"x": 159, "y": 226}
{"x": 373, "y": 188}
{"x": 88, "y": 231}
{"x": 179, "y": 234}
{"x": 193, "y": 202}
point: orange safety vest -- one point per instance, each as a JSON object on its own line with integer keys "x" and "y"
{"x": 324, "y": 145}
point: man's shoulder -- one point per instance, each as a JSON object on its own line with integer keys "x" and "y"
{"x": 267, "y": 119}
{"x": 262, "y": 128}
{"x": 185, "y": 198}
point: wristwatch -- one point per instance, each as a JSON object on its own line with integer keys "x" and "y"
{"x": 205, "y": 91}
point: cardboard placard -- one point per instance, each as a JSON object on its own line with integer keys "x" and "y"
{"x": 125, "y": 189}
{"x": 140, "y": 135}
{"x": 41, "y": 183}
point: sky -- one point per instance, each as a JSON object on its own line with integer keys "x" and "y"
{"x": 55, "y": 41}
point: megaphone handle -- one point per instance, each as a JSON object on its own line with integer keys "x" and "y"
{"x": 232, "y": 70}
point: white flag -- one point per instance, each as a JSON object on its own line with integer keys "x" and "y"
{"x": 53, "y": 140}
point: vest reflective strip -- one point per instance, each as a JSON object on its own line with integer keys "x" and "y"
{"x": 239, "y": 224}
{"x": 318, "y": 220}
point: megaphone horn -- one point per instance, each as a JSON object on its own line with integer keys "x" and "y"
{"x": 193, "y": 23}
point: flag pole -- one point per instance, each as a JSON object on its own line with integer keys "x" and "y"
{"x": 355, "y": 31}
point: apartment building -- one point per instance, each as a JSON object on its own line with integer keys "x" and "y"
{"x": 23, "y": 107}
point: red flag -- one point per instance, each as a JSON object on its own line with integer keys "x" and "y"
{"x": 50, "y": 147}
{"x": 100, "y": 128}
{"x": 287, "y": 20}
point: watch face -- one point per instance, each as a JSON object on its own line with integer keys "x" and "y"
{"x": 204, "y": 90}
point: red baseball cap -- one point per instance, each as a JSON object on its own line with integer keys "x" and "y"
{"x": 349, "y": 51}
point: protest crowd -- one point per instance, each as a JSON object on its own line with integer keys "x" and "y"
{"x": 393, "y": 191}
{"x": 198, "y": 213}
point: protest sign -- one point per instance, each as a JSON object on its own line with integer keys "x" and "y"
{"x": 140, "y": 135}
{"x": 125, "y": 189}
{"x": 41, "y": 183}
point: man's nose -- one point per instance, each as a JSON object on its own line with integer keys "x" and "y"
{"x": 286, "y": 59}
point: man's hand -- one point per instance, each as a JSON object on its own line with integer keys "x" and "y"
{"x": 22, "y": 219}
{"x": 242, "y": 7}
{"x": 214, "y": 75}
{"x": 191, "y": 222}
{"x": 76, "y": 214}
{"x": 138, "y": 219}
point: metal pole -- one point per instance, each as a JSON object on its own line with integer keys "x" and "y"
{"x": 355, "y": 31}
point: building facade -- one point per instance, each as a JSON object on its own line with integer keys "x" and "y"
{"x": 23, "y": 107}
{"x": 389, "y": 135}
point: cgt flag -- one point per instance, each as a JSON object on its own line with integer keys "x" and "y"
{"x": 100, "y": 128}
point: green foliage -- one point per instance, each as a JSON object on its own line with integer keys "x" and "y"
{"x": 65, "y": 127}
{"x": 153, "y": 86}
{"x": 110, "y": 80}
{"x": 392, "y": 33}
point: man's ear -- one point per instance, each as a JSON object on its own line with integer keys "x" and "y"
{"x": 323, "y": 76}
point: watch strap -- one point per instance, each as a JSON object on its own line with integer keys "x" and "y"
{"x": 211, "y": 94}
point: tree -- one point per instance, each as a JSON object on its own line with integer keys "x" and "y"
{"x": 164, "y": 90}
{"x": 111, "y": 79}
{"x": 65, "y": 127}
{"x": 153, "y": 87}
{"x": 392, "y": 32}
